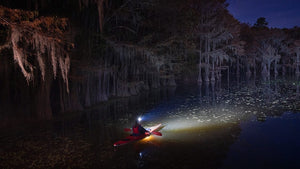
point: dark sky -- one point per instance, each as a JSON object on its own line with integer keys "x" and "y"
{"x": 278, "y": 13}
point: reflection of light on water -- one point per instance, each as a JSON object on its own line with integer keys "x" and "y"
{"x": 199, "y": 122}
{"x": 196, "y": 117}
{"x": 196, "y": 122}
{"x": 196, "y": 112}
{"x": 147, "y": 138}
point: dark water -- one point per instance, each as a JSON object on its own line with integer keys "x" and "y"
{"x": 245, "y": 124}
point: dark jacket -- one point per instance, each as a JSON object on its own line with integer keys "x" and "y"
{"x": 138, "y": 130}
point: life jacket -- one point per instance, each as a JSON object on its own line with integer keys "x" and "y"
{"x": 135, "y": 130}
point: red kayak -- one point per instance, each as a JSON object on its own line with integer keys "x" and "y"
{"x": 135, "y": 138}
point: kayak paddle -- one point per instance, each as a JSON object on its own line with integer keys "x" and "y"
{"x": 156, "y": 133}
{"x": 153, "y": 132}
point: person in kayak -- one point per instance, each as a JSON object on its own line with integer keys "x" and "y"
{"x": 138, "y": 130}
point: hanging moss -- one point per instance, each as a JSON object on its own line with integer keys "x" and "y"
{"x": 35, "y": 40}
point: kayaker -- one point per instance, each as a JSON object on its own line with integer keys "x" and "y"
{"x": 138, "y": 130}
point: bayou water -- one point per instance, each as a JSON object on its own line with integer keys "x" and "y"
{"x": 242, "y": 124}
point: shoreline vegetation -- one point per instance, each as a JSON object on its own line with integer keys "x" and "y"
{"x": 87, "y": 52}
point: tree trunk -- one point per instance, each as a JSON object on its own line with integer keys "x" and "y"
{"x": 207, "y": 68}
{"x": 264, "y": 71}
{"x": 269, "y": 68}
{"x": 275, "y": 68}
{"x": 237, "y": 66}
{"x": 200, "y": 75}
{"x": 248, "y": 71}
{"x": 43, "y": 107}
{"x": 212, "y": 78}
{"x": 297, "y": 63}
{"x": 254, "y": 68}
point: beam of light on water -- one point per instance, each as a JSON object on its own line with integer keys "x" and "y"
{"x": 148, "y": 138}
{"x": 200, "y": 110}
{"x": 188, "y": 123}
{"x": 196, "y": 115}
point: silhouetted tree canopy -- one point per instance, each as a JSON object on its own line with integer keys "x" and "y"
{"x": 261, "y": 23}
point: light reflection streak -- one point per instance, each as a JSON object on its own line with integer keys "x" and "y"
{"x": 193, "y": 123}
{"x": 214, "y": 107}
{"x": 191, "y": 119}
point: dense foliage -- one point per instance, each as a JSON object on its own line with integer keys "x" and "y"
{"x": 103, "y": 49}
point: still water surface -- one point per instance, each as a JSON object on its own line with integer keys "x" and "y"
{"x": 244, "y": 124}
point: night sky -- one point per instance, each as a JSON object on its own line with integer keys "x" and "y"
{"x": 278, "y": 13}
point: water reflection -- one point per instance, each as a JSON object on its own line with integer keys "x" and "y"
{"x": 272, "y": 144}
{"x": 202, "y": 123}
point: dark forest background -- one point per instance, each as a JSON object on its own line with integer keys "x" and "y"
{"x": 58, "y": 56}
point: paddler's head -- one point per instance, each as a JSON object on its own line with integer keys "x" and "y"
{"x": 138, "y": 121}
